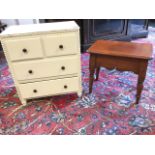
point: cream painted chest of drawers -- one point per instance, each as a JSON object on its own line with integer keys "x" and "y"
{"x": 44, "y": 59}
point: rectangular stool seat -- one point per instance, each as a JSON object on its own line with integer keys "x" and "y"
{"x": 122, "y": 49}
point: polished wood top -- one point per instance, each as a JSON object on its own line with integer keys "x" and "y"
{"x": 122, "y": 49}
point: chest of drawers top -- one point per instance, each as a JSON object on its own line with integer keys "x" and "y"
{"x": 21, "y": 30}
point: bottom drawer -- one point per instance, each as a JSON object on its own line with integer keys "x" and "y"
{"x": 51, "y": 87}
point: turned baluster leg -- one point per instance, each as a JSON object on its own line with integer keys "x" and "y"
{"x": 97, "y": 73}
{"x": 91, "y": 70}
{"x": 141, "y": 78}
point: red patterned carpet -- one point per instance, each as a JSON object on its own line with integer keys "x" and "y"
{"x": 108, "y": 110}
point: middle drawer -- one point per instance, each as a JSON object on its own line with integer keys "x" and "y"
{"x": 46, "y": 68}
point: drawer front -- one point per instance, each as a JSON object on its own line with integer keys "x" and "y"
{"x": 61, "y": 44}
{"x": 26, "y": 48}
{"x": 46, "y": 68}
{"x": 46, "y": 88}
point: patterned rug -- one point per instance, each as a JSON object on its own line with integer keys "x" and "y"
{"x": 109, "y": 110}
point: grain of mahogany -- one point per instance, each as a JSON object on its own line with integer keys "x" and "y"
{"x": 124, "y": 56}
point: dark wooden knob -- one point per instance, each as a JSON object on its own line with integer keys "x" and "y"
{"x": 65, "y": 86}
{"x": 63, "y": 67}
{"x": 25, "y": 50}
{"x": 61, "y": 46}
{"x": 35, "y": 91}
{"x": 30, "y": 71}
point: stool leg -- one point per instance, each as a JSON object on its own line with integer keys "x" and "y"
{"x": 139, "y": 88}
{"x": 91, "y": 79}
{"x": 141, "y": 78}
{"x": 97, "y": 73}
{"x": 91, "y": 70}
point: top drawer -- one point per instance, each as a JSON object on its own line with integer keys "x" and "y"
{"x": 24, "y": 48}
{"x": 61, "y": 44}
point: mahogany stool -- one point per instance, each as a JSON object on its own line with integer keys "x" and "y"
{"x": 124, "y": 56}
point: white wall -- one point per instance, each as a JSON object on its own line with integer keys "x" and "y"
{"x": 19, "y": 21}
{"x": 27, "y": 21}
{"x": 9, "y": 21}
